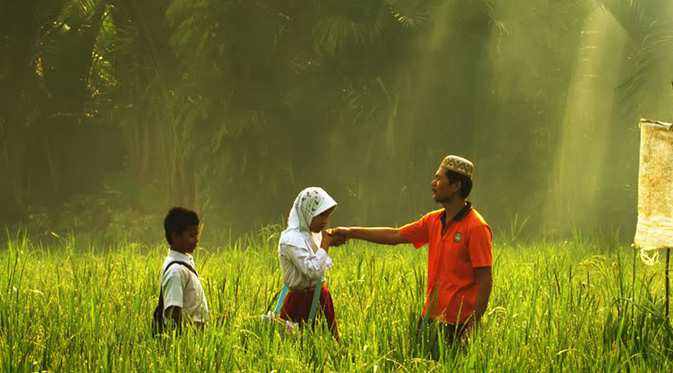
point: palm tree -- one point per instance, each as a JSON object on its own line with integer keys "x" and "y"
{"x": 38, "y": 90}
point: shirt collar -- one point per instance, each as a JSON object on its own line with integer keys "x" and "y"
{"x": 181, "y": 256}
{"x": 461, "y": 214}
{"x": 464, "y": 211}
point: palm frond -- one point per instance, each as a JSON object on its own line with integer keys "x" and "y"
{"x": 651, "y": 34}
{"x": 410, "y": 13}
{"x": 630, "y": 14}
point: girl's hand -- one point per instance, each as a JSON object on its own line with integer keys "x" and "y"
{"x": 326, "y": 240}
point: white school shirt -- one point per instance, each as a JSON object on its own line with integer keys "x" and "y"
{"x": 182, "y": 288}
{"x": 302, "y": 267}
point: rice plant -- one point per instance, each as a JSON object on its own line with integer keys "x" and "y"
{"x": 566, "y": 305}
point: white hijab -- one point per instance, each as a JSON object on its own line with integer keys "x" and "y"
{"x": 310, "y": 203}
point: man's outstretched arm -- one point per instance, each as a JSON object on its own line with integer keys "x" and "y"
{"x": 382, "y": 235}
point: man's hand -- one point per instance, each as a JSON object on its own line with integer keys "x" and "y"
{"x": 469, "y": 329}
{"x": 330, "y": 238}
{"x": 338, "y": 239}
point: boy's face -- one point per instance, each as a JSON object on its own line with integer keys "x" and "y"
{"x": 186, "y": 241}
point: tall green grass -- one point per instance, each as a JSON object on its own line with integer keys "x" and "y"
{"x": 568, "y": 305}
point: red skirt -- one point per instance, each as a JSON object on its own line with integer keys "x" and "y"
{"x": 297, "y": 307}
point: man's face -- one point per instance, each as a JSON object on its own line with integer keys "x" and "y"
{"x": 319, "y": 222}
{"x": 442, "y": 189}
{"x": 186, "y": 241}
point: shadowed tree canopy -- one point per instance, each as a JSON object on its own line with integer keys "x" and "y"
{"x": 114, "y": 110}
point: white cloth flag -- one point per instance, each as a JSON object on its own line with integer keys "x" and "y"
{"x": 655, "y": 190}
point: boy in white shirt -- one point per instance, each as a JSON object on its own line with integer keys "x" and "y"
{"x": 182, "y": 299}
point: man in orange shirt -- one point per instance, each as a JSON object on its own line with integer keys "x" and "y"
{"x": 459, "y": 256}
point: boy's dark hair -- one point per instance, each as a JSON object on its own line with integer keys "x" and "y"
{"x": 178, "y": 220}
{"x": 465, "y": 182}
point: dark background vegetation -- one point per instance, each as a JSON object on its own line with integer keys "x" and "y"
{"x": 111, "y": 111}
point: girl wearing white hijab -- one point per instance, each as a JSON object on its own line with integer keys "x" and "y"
{"x": 303, "y": 254}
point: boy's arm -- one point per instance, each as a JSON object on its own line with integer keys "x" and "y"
{"x": 382, "y": 235}
{"x": 172, "y": 288}
{"x": 174, "y": 313}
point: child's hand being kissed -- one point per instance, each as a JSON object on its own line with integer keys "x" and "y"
{"x": 329, "y": 239}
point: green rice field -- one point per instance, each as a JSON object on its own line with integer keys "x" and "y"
{"x": 556, "y": 306}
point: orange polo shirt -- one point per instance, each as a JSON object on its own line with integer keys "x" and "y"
{"x": 466, "y": 244}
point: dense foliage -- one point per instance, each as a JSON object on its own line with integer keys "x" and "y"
{"x": 113, "y": 110}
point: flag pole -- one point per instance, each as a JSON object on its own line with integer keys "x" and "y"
{"x": 668, "y": 286}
